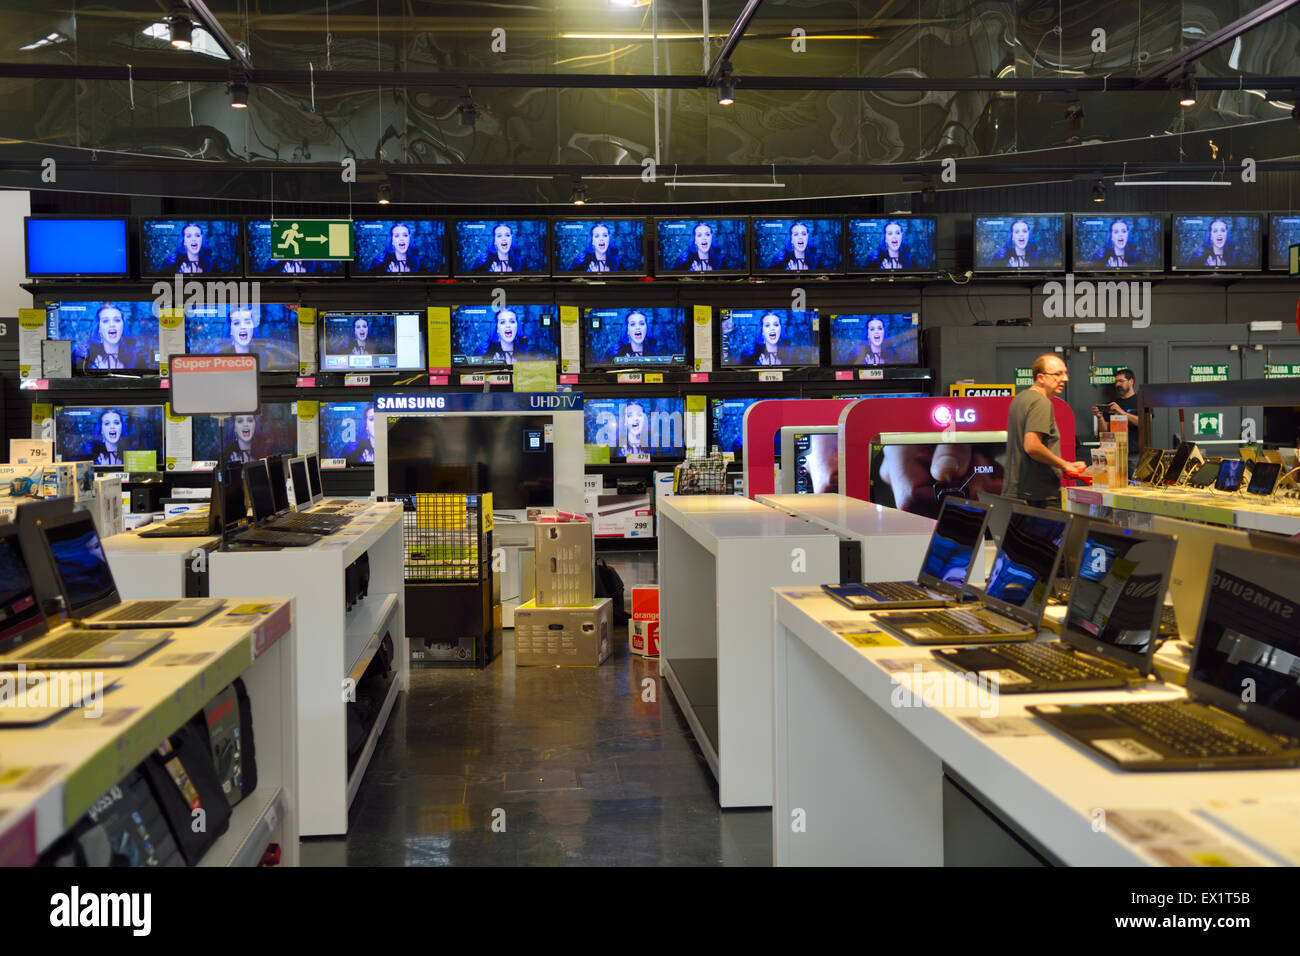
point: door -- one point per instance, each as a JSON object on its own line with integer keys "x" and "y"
{"x": 1092, "y": 382}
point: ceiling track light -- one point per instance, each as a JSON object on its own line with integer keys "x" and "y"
{"x": 238, "y": 91}
{"x": 1185, "y": 87}
{"x": 1099, "y": 191}
{"x": 181, "y": 28}
{"x": 726, "y": 86}
{"x": 385, "y": 195}
{"x": 578, "y": 195}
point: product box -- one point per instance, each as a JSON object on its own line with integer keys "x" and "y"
{"x": 31, "y": 451}
{"x": 107, "y": 506}
{"x": 59, "y": 480}
{"x": 27, "y": 475}
{"x": 643, "y": 634}
{"x": 566, "y": 564}
{"x": 624, "y": 516}
{"x": 175, "y": 507}
{"x": 563, "y": 636}
{"x": 85, "y": 480}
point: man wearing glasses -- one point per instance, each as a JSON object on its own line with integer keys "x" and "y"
{"x": 1033, "y": 462}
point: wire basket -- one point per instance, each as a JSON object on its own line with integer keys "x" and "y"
{"x": 701, "y": 476}
{"x": 443, "y": 534}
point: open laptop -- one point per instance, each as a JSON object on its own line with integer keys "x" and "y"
{"x": 25, "y": 639}
{"x": 1242, "y": 709}
{"x": 268, "y": 513}
{"x": 190, "y": 526}
{"x": 89, "y": 591}
{"x": 1109, "y": 633}
{"x": 305, "y": 500}
{"x": 321, "y": 505}
{"x": 1011, "y": 604}
{"x": 957, "y": 537}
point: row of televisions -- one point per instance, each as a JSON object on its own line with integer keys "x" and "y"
{"x": 108, "y": 336}
{"x": 62, "y": 247}
{"x": 628, "y": 426}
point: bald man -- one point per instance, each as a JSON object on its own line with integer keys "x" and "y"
{"x": 1034, "y": 464}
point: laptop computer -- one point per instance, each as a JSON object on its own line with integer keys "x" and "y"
{"x": 1242, "y": 709}
{"x": 25, "y": 638}
{"x": 190, "y": 526}
{"x": 957, "y": 537}
{"x": 1011, "y": 603}
{"x": 260, "y": 479}
{"x": 1110, "y": 629}
{"x": 89, "y": 591}
{"x": 318, "y": 499}
{"x": 29, "y": 697}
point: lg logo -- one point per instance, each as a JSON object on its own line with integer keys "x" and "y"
{"x": 944, "y": 416}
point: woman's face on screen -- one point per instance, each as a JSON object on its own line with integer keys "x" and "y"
{"x": 401, "y": 237}
{"x": 1020, "y": 235}
{"x": 360, "y": 330}
{"x": 502, "y": 237}
{"x": 876, "y": 333}
{"x": 893, "y": 237}
{"x": 771, "y": 328}
{"x": 1119, "y": 236}
{"x": 110, "y": 326}
{"x": 507, "y": 326}
{"x": 110, "y": 423}
{"x": 703, "y": 238}
{"x": 799, "y": 238}
{"x": 370, "y": 424}
{"x": 241, "y": 328}
{"x": 635, "y": 423}
{"x": 193, "y": 239}
{"x": 636, "y": 328}
{"x": 600, "y": 240}
{"x": 245, "y": 427}
{"x": 1218, "y": 234}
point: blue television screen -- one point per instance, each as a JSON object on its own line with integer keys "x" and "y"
{"x": 106, "y": 335}
{"x": 587, "y": 246}
{"x": 102, "y": 434}
{"x": 869, "y": 338}
{"x": 762, "y": 337}
{"x": 1283, "y": 233}
{"x": 190, "y": 247}
{"x": 1123, "y": 243}
{"x": 263, "y": 261}
{"x": 797, "y": 245}
{"x": 272, "y": 431}
{"x": 76, "y": 247}
{"x": 1020, "y": 243}
{"x": 347, "y": 434}
{"x": 688, "y": 246}
{"x": 1211, "y": 243}
{"x": 726, "y": 425}
{"x": 398, "y": 247}
{"x": 634, "y": 426}
{"x": 627, "y": 338}
{"x": 896, "y": 244}
{"x": 492, "y": 246}
{"x": 268, "y": 331}
{"x": 491, "y": 337}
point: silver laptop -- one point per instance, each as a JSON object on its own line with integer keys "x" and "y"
{"x": 89, "y": 591}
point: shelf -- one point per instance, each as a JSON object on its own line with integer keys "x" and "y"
{"x": 376, "y": 731}
{"x": 365, "y": 630}
{"x": 253, "y": 823}
{"x": 694, "y": 685}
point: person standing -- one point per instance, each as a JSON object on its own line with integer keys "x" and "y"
{"x": 1126, "y": 404}
{"x": 1033, "y": 462}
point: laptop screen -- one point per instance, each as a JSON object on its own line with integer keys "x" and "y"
{"x": 234, "y": 508}
{"x": 1248, "y": 647}
{"x": 313, "y": 475}
{"x": 1022, "y": 571}
{"x": 20, "y": 612}
{"x": 955, "y": 538}
{"x": 80, "y": 562}
{"x": 279, "y": 489}
{"x": 259, "y": 489}
{"x": 1116, "y": 599}
{"x": 301, "y": 485}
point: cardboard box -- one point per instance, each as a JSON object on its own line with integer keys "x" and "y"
{"x": 24, "y": 451}
{"x": 566, "y": 564}
{"x": 59, "y": 480}
{"x": 29, "y": 473}
{"x": 85, "y": 480}
{"x": 563, "y": 636}
{"x": 107, "y": 506}
{"x": 643, "y": 635}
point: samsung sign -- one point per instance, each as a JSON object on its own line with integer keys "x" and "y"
{"x": 481, "y": 402}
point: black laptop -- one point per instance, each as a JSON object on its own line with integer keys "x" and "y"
{"x": 1110, "y": 628}
{"x": 1242, "y": 709}
{"x": 203, "y": 525}
{"x": 268, "y": 494}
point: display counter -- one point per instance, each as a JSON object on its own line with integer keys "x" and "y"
{"x": 1229, "y": 510}
{"x": 893, "y": 542}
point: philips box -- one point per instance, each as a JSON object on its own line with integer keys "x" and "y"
{"x": 566, "y": 564}
{"x": 643, "y": 634}
{"x": 563, "y": 636}
{"x": 59, "y": 480}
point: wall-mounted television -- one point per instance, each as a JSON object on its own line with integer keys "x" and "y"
{"x": 59, "y": 247}
{"x": 1216, "y": 243}
{"x": 636, "y": 426}
{"x": 598, "y": 247}
{"x": 488, "y": 336}
{"x": 768, "y": 337}
{"x": 371, "y": 340}
{"x": 103, "y": 434}
{"x": 626, "y": 338}
{"x": 1128, "y": 242}
{"x": 1020, "y": 243}
{"x": 106, "y": 336}
{"x": 1283, "y": 233}
{"x": 212, "y": 247}
{"x": 896, "y": 245}
{"x": 347, "y": 434}
{"x": 726, "y": 425}
{"x": 268, "y": 331}
{"x": 272, "y": 431}
{"x": 874, "y": 338}
{"x": 399, "y": 247}
{"x": 261, "y": 260}
{"x": 501, "y": 247}
{"x": 695, "y": 246}
{"x": 783, "y": 246}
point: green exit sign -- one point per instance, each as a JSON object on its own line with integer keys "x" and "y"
{"x": 1207, "y": 373}
{"x": 1024, "y": 376}
{"x": 312, "y": 239}
{"x": 1207, "y": 425}
{"x": 1103, "y": 374}
{"x": 1284, "y": 370}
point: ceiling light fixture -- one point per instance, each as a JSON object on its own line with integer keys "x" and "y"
{"x": 385, "y": 194}
{"x": 578, "y": 195}
{"x": 238, "y": 91}
{"x": 726, "y": 86}
{"x": 182, "y": 30}
{"x": 1185, "y": 87}
{"x": 1099, "y": 191}
{"x": 467, "y": 112}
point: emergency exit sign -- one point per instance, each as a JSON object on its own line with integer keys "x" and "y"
{"x": 1208, "y": 425}
{"x": 1207, "y": 373}
{"x": 1283, "y": 370}
{"x": 1103, "y": 374}
{"x": 1024, "y": 376}
{"x": 312, "y": 239}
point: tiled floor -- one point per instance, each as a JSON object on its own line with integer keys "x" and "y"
{"x": 542, "y": 767}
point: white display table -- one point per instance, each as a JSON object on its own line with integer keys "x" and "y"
{"x": 893, "y": 541}
{"x": 859, "y": 779}
{"x": 1229, "y": 510}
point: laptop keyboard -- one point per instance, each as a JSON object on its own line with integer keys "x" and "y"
{"x": 67, "y": 646}
{"x": 137, "y": 611}
{"x": 1179, "y": 727}
{"x": 295, "y": 522}
{"x": 1049, "y": 663}
{"x": 973, "y": 622}
{"x": 283, "y": 539}
{"x": 896, "y": 591}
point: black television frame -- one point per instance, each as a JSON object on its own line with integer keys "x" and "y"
{"x": 718, "y": 273}
{"x": 127, "y": 232}
{"x": 755, "y": 269}
{"x": 355, "y": 273}
{"x": 449, "y": 234}
{"x": 240, "y": 244}
{"x": 1066, "y": 241}
{"x": 552, "y": 240}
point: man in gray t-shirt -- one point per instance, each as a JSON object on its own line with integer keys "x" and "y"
{"x": 1034, "y": 463}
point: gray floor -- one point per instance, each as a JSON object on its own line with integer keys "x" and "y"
{"x": 571, "y": 765}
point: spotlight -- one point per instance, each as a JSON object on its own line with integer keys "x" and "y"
{"x": 468, "y": 113}
{"x": 578, "y": 196}
{"x": 726, "y": 87}
{"x": 238, "y": 95}
{"x": 1099, "y": 191}
{"x": 182, "y": 30}
{"x": 1185, "y": 87}
{"x": 385, "y": 194}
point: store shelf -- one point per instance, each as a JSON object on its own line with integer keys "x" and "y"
{"x": 365, "y": 631}
{"x": 253, "y": 823}
{"x": 695, "y": 684}
{"x": 376, "y": 731}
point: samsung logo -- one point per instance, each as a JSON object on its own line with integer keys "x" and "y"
{"x": 1256, "y": 596}
{"x": 410, "y": 403}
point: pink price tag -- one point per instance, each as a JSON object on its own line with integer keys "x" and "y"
{"x": 699, "y": 377}
{"x": 437, "y": 379}
{"x": 307, "y": 381}
{"x": 439, "y": 371}
{"x": 844, "y": 375}
{"x": 165, "y": 383}
{"x": 568, "y": 380}
{"x": 42, "y": 383}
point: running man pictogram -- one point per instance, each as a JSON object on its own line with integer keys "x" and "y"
{"x": 291, "y": 237}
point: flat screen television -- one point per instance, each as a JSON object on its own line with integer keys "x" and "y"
{"x": 262, "y": 260}
{"x": 783, "y": 246}
{"x": 1129, "y": 242}
{"x": 501, "y": 246}
{"x": 347, "y": 434}
{"x": 485, "y": 336}
{"x": 59, "y": 247}
{"x": 693, "y": 246}
{"x": 1016, "y": 243}
{"x": 726, "y": 425}
{"x": 393, "y": 248}
{"x": 874, "y": 338}
{"x": 371, "y": 340}
{"x": 628, "y": 338}
{"x": 106, "y": 336}
{"x": 891, "y": 244}
{"x": 598, "y": 247}
{"x": 636, "y": 426}
{"x": 1216, "y": 243}
{"x": 768, "y": 337}
{"x": 915, "y": 475}
{"x": 102, "y": 434}
{"x": 810, "y": 459}
{"x": 268, "y": 331}
{"x": 212, "y": 247}
{"x": 272, "y": 431}
{"x": 1283, "y": 233}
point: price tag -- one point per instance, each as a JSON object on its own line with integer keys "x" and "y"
{"x": 356, "y": 379}
{"x": 871, "y": 374}
{"x": 844, "y": 375}
{"x": 699, "y": 377}
{"x": 474, "y": 378}
{"x": 438, "y": 379}
{"x": 771, "y": 376}
{"x": 638, "y": 459}
{"x": 568, "y": 380}
{"x": 306, "y": 381}
{"x": 640, "y": 527}
{"x": 629, "y": 378}
{"x": 654, "y": 378}
{"x": 500, "y": 378}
